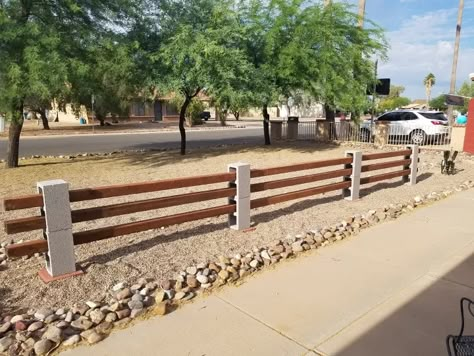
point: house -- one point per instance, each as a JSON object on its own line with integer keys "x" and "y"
{"x": 418, "y": 104}
{"x": 161, "y": 109}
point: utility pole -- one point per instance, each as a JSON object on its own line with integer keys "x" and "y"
{"x": 361, "y": 13}
{"x": 452, "y": 88}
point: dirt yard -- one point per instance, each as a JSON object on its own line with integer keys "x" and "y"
{"x": 162, "y": 253}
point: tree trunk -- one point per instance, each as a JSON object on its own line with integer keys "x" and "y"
{"x": 182, "y": 120}
{"x": 266, "y": 124}
{"x": 14, "y": 132}
{"x": 236, "y": 115}
{"x": 330, "y": 119}
{"x": 44, "y": 119}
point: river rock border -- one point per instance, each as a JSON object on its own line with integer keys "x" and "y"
{"x": 40, "y": 331}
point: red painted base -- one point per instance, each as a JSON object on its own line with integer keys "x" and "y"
{"x": 47, "y": 278}
{"x": 250, "y": 229}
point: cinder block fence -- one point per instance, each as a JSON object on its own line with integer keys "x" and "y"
{"x": 56, "y": 219}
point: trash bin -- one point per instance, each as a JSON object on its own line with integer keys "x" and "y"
{"x": 82, "y": 121}
{"x": 292, "y": 133}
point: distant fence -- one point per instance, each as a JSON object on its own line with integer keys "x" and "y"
{"x": 56, "y": 218}
{"x": 428, "y": 135}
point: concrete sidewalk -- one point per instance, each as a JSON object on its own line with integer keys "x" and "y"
{"x": 393, "y": 290}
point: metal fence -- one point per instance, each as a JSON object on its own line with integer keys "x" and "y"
{"x": 427, "y": 135}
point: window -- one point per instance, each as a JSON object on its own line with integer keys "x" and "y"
{"x": 408, "y": 116}
{"x": 434, "y": 116}
{"x": 390, "y": 116}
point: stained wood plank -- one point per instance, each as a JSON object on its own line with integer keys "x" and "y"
{"x": 384, "y": 165}
{"x": 275, "y": 199}
{"x": 84, "y": 237}
{"x": 372, "y": 156}
{"x": 385, "y": 176}
{"x": 258, "y": 187}
{"x": 298, "y": 167}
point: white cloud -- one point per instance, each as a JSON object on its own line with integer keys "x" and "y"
{"x": 423, "y": 44}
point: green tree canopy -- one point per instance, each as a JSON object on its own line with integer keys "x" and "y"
{"x": 439, "y": 103}
{"x": 466, "y": 89}
{"x": 39, "y": 43}
{"x": 200, "y": 52}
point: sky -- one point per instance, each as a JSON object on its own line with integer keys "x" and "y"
{"x": 421, "y": 36}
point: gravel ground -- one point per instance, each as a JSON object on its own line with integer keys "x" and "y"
{"x": 159, "y": 254}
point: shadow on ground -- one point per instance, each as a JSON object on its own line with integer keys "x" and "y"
{"x": 420, "y": 326}
{"x": 163, "y": 158}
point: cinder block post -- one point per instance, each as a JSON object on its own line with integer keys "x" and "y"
{"x": 60, "y": 261}
{"x": 240, "y": 220}
{"x": 352, "y": 193}
{"x": 413, "y": 167}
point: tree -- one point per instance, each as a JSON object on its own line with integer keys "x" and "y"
{"x": 393, "y": 103}
{"x": 39, "y": 41}
{"x": 467, "y": 90}
{"x": 439, "y": 103}
{"x": 200, "y": 50}
{"x": 107, "y": 73}
{"x": 394, "y": 99}
{"x": 428, "y": 82}
{"x": 396, "y": 91}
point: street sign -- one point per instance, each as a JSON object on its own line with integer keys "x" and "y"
{"x": 456, "y": 100}
{"x": 382, "y": 87}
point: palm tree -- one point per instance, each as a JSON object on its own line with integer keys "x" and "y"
{"x": 429, "y": 81}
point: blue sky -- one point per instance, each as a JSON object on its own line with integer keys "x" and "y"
{"x": 421, "y": 37}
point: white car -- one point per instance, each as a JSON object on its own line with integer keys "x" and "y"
{"x": 416, "y": 125}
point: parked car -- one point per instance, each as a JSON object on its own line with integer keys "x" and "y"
{"x": 205, "y": 115}
{"x": 417, "y": 126}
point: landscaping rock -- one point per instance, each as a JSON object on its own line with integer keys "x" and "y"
{"x": 96, "y": 316}
{"x": 104, "y": 327}
{"x": 161, "y": 308}
{"x": 111, "y": 317}
{"x": 43, "y": 313}
{"x": 254, "y": 263}
{"x": 82, "y": 323}
{"x": 179, "y": 296}
{"x": 94, "y": 337}
{"x": 16, "y": 318}
{"x": 123, "y": 294}
{"x": 265, "y": 255}
{"x": 5, "y": 343}
{"x": 135, "y": 304}
{"x": 42, "y": 347}
{"x": 202, "y": 279}
{"x": 135, "y": 313}
{"x": 51, "y": 318}
{"x": 192, "y": 282}
{"x": 35, "y": 326}
{"x": 124, "y": 313}
{"x": 20, "y": 325}
{"x": 74, "y": 339}
{"x": 53, "y": 333}
{"x": 191, "y": 270}
{"x": 224, "y": 275}
{"x": 119, "y": 286}
{"x": 5, "y": 327}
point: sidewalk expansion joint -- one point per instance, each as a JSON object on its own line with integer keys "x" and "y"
{"x": 264, "y": 324}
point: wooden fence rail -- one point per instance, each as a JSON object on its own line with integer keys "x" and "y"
{"x": 238, "y": 195}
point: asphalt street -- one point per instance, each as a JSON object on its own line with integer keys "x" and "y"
{"x": 67, "y": 145}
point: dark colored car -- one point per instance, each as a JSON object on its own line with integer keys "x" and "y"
{"x": 205, "y": 115}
